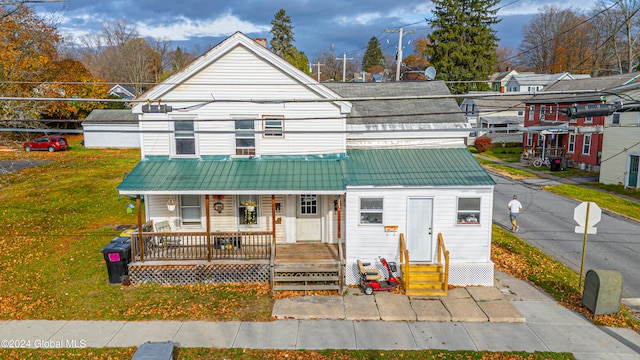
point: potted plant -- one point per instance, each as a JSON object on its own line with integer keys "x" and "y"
{"x": 171, "y": 205}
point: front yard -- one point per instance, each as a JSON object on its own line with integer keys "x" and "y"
{"x": 56, "y": 219}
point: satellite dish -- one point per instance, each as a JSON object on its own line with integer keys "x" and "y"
{"x": 430, "y": 73}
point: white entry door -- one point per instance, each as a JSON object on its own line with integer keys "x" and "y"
{"x": 419, "y": 229}
{"x": 308, "y": 219}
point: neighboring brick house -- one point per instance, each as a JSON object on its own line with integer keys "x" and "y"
{"x": 577, "y": 140}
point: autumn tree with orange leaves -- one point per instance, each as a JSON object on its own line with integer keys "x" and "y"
{"x": 31, "y": 67}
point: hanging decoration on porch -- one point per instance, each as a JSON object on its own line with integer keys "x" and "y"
{"x": 171, "y": 205}
{"x": 218, "y": 197}
{"x": 249, "y": 211}
{"x": 218, "y": 206}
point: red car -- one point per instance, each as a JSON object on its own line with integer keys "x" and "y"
{"x": 50, "y": 143}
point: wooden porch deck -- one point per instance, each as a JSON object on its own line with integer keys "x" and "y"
{"x": 313, "y": 254}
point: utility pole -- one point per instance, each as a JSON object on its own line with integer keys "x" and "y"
{"x": 399, "y": 56}
{"x": 318, "y": 65}
{"x": 344, "y": 65}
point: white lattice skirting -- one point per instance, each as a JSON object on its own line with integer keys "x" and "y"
{"x": 198, "y": 273}
{"x": 471, "y": 274}
{"x": 460, "y": 274}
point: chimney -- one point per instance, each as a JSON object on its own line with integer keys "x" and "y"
{"x": 261, "y": 41}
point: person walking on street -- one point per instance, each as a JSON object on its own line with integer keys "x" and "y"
{"x": 515, "y": 207}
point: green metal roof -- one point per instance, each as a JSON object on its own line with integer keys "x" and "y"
{"x": 388, "y": 167}
{"x": 414, "y": 167}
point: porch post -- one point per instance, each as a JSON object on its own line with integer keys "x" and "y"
{"x": 340, "y": 216}
{"x": 273, "y": 217}
{"x": 208, "y": 226}
{"x": 140, "y": 247}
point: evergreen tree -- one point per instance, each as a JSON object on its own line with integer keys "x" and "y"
{"x": 282, "y": 41}
{"x": 464, "y": 43}
{"x": 373, "y": 56}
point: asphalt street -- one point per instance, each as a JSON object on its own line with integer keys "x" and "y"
{"x": 547, "y": 223}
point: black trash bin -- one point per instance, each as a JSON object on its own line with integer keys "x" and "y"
{"x": 117, "y": 255}
{"x": 555, "y": 163}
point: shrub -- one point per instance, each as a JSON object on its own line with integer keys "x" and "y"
{"x": 483, "y": 144}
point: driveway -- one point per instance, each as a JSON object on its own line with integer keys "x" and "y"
{"x": 13, "y": 165}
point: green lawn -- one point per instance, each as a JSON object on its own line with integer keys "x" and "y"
{"x": 56, "y": 220}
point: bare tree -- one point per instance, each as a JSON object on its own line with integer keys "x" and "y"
{"x": 557, "y": 40}
{"x": 620, "y": 28}
{"x": 118, "y": 54}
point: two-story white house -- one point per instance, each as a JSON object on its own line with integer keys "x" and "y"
{"x": 250, "y": 169}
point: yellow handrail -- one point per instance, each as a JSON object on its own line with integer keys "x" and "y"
{"x": 442, "y": 250}
{"x": 404, "y": 262}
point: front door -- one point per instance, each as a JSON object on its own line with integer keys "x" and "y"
{"x": 419, "y": 229}
{"x": 308, "y": 219}
{"x": 633, "y": 171}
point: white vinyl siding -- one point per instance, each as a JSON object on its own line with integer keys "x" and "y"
{"x": 322, "y": 133}
{"x": 369, "y": 242}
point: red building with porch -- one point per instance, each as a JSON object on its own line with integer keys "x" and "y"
{"x": 550, "y": 133}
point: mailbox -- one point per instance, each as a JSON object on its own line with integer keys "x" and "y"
{"x": 602, "y": 291}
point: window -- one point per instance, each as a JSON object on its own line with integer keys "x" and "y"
{"x": 468, "y": 210}
{"x": 532, "y": 111}
{"x": 586, "y": 145}
{"x": 185, "y": 138}
{"x": 520, "y": 113}
{"x": 273, "y": 126}
{"x": 615, "y": 119}
{"x": 190, "y": 209}
{"x": 245, "y": 137}
{"x": 308, "y": 205}
{"x": 248, "y": 210}
{"x": 572, "y": 143}
{"x": 371, "y": 211}
{"x": 542, "y": 108}
{"x": 588, "y": 120}
{"x": 529, "y": 140}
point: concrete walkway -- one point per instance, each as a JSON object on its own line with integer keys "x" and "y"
{"x": 548, "y": 327}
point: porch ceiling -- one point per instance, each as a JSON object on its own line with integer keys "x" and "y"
{"x": 295, "y": 174}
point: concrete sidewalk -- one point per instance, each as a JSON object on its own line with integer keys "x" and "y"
{"x": 548, "y": 327}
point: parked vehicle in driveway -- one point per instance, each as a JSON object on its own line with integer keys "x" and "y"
{"x": 49, "y": 143}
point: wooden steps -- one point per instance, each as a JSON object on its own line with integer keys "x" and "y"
{"x": 425, "y": 280}
{"x": 306, "y": 277}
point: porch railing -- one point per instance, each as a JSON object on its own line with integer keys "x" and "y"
{"x": 443, "y": 252}
{"x": 404, "y": 261}
{"x": 201, "y": 246}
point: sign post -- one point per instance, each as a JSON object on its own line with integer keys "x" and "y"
{"x": 586, "y": 214}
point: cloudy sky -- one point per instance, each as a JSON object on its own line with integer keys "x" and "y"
{"x": 318, "y": 25}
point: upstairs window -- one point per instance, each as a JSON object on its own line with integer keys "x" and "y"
{"x": 615, "y": 119}
{"x": 532, "y": 112}
{"x": 184, "y": 137}
{"x": 273, "y": 126}
{"x": 245, "y": 137}
{"x": 542, "y": 108}
{"x": 588, "y": 120}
